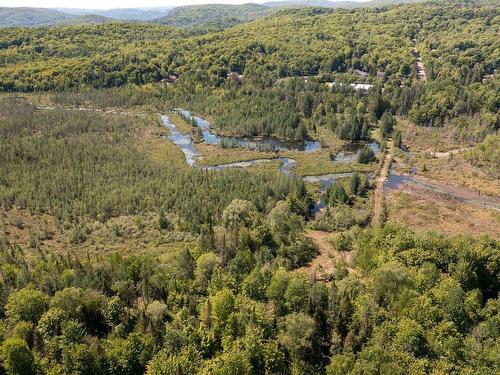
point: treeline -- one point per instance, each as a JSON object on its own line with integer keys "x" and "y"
{"x": 417, "y": 303}
{"x": 295, "y": 109}
{"x": 372, "y": 46}
{"x": 370, "y": 40}
{"x": 76, "y": 165}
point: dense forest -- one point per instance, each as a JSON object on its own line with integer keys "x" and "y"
{"x": 80, "y": 165}
{"x": 418, "y": 304}
{"x": 268, "y": 63}
{"x": 118, "y": 258}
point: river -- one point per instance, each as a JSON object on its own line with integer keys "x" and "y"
{"x": 267, "y": 143}
{"x": 185, "y": 143}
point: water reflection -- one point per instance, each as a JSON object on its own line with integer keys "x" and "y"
{"x": 183, "y": 141}
{"x": 266, "y": 143}
{"x": 351, "y": 151}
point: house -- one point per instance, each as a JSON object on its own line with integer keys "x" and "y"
{"x": 355, "y": 86}
{"x": 170, "y": 79}
{"x": 235, "y": 76}
{"x": 361, "y": 86}
{"x": 361, "y": 73}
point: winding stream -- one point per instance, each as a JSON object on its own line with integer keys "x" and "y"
{"x": 267, "y": 143}
{"x": 349, "y": 154}
{"x": 185, "y": 143}
{"x": 394, "y": 181}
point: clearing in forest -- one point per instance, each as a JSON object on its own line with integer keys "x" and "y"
{"x": 323, "y": 265}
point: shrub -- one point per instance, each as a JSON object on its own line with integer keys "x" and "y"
{"x": 366, "y": 155}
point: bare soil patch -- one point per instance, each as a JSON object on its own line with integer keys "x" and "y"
{"x": 379, "y": 189}
{"x": 323, "y": 265}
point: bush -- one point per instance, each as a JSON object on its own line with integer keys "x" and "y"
{"x": 342, "y": 242}
{"x": 396, "y": 139}
{"x": 366, "y": 155}
{"x": 78, "y": 235}
{"x": 163, "y": 222}
{"x": 336, "y": 194}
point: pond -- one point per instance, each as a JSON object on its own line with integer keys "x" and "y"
{"x": 351, "y": 151}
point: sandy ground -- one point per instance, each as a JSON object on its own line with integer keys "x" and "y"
{"x": 421, "y": 185}
{"x": 323, "y": 264}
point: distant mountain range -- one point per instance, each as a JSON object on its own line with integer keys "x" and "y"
{"x": 183, "y": 16}
{"x": 218, "y": 14}
{"x": 125, "y": 14}
{"x": 44, "y": 17}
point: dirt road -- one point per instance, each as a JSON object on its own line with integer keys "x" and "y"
{"x": 446, "y": 154}
{"x": 379, "y": 189}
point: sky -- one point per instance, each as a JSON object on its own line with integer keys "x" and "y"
{"x": 108, "y": 4}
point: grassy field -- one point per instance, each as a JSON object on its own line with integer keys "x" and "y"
{"x": 152, "y": 138}
{"x": 318, "y": 163}
{"x": 429, "y": 139}
{"x": 127, "y": 235}
{"x": 458, "y": 171}
{"x": 426, "y": 211}
{"x": 453, "y": 169}
{"x": 435, "y": 153}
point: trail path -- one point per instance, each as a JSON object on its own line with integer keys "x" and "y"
{"x": 323, "y": 259}
{"x": 420, "y": 64}
{"x": 323, "y": 264}
{"x": 440, "y": 155}
{"x": 379, "y": 189}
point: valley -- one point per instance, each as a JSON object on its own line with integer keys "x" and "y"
{"x": 281, "y": 188}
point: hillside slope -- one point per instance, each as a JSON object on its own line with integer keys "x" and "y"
{"x": 124, "y": 14}
{"x": 32, "y": 17}
{"x": 221, "y": 14}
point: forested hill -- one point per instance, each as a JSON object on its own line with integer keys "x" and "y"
{"x": 348, "y": 4}
{"x": 44, "y": 17}
{"x": 224, "y": 15}
{"x": 131, "y": 14}
{"x": 456, "y": 39}
{"x": 219, "y": 14}
{"x": 293, "y": 42}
